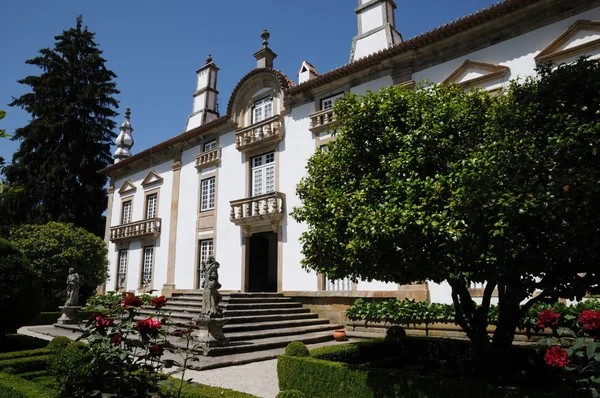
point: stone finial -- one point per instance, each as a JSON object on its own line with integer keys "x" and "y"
{"x": 124, "y": 140}
{"x": 265, "y": 36}
{"x": 209, "y": 59}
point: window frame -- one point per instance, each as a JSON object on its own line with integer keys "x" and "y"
{"x": 129, "y": 202}
{"x": 211, "y": 143}
{"x": 208, "y": 206}
{"x": 210, "y": 252}
{"x": 151, "y": 266}
{"x": 264, "y": 167}
{"x": 120, "y": 266}
{"x": 262, "y": 104}
{"x": 331, "y": 99}
{"x": 149, "y": 195}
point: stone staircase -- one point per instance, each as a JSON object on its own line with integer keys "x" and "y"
{"x": 256, "y": 321}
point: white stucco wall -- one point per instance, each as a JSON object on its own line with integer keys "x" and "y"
{"x": 294, "y": 151}
{"x": 517, "y": 53}
{"x": 185, "y": 261}
{"x": 370, "y": 44}
{"x": 371, "y": 18}
{"x": 134, "y": 260}
{"x": 232, "y": 186}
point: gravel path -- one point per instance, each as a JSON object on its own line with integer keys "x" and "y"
{"x": 257, "y": 378}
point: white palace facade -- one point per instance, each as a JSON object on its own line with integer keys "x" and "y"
{"x": 226, "y": 185}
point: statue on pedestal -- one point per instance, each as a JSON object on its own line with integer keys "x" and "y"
{"x": 72, "y": 288}
{"x": 210, "y": 322}
{"x": 71, "y": 308}
{"x": 210, "y": 293}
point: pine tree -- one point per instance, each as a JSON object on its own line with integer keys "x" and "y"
{"x": 68, "y": 139}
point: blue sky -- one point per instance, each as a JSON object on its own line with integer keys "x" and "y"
{"x": 155, "y": 47}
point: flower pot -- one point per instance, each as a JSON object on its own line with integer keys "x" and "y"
{"x": 339, "y": 334}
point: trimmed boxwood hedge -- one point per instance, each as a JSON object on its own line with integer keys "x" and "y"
{"x": 27, "y": 364}
{"x": 24, "y": 354}
{"x": 12, "y": 386}
{"x": 327, "y": 379}
{"x": 195, "y": 390}
{"x": 45, "y": 318}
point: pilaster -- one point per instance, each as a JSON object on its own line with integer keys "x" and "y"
{"x": 169, "y": 287}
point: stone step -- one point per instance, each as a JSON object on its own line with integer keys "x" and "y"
{"x": 273, "y": 325}
{"x": 238, "y": 347}
{"x": 234, "y": 306}
{"x": 270, "y": 318}
{"x": 286, "y": 331}
{"x": 268, "y": 311}
{"x": 249, "y": 300}
{"x": 252, "y": 294}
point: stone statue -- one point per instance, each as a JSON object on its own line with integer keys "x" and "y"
{"x": 210, "y": 293}
{"x": 72, "y": 288}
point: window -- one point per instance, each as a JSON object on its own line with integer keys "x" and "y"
{"x": 263, "y": 174}
{"x": 263, "y": 109}
{"x": 151, "y": 201}
{"x": 324, "y": 148}
{"x": 126, "y": 212}
{"x": 147, "y": 266}
{"x": 206, "y": 250}
{"x": 207, "y": 194}
{"x": 122, "y": 270}
{"x": 210, "y": 145}
{"x": 327, "y": 103}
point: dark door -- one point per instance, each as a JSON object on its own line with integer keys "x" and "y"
{"x": 263, "y": 262}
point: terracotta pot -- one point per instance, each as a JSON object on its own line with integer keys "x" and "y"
{"x": 339, "y": 334}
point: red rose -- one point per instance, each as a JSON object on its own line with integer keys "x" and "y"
{"x": 131, "y": 300}
{"x": 159, "y": 302}
{"x": 156, "y": 350}
{"x": 556, "y": 357}
{"x": 100, "y": 321}
{"x": 116, "y": 339}
{"x": 149, "y": 326}
{"x": 547, "y": 319}
{"x": 590, "y": 322}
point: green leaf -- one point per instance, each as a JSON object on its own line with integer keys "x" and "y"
{"x": 591, "y": 350}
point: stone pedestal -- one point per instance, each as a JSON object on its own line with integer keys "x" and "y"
{"x": 70, "y": 315}
{"x": 210, "y": 333}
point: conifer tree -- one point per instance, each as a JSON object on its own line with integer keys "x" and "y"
{"x": 69, "y": 136}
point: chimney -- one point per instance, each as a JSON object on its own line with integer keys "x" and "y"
{"x": 376, "y": 28}
{"x": 306, "y": 72}
{"x": 204, "y": 108}
{"x": 265, "y": 56}
{"x": 124, "y": 140}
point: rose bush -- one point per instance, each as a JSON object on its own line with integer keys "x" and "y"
{"x": 124, "y": 356}
{"x": 580, "y": 361}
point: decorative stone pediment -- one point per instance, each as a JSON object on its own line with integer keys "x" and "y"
{"x": 580, "y": 39}
{"x": 474, "y": 73}
{"x": 151, "y": 179}
{"x": 127, "y": 188}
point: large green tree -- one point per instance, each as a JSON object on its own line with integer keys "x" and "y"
{"x": 53, "y": 248}
{"x": 452, "y": 186}
{"x": 69, "y": 136}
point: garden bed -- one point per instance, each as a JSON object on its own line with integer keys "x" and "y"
{"x": 409, "y": 367}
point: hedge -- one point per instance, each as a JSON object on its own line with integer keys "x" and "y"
{"x": 320, "y": 378}
{"x": 45, "y": 318}
{"x": 195, "y": 390}
{"x": 24, "y": 354}
{"x": 27, "y": 364}
{"x": 21, "y": 388}
{"x": 407, "y": 312}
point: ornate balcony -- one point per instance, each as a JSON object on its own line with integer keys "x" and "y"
{"x": 208, "y": 158}
{"x": 322, "y": 120}
{"x": 258, "y": 210}
{"x": 143, "y": 229}
{"x": 259, "y": 134}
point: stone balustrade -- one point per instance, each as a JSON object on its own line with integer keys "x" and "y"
{"x": 149, "y": 228}
{"x": 321, "y": 120}
{"x": 258, "y": 210}
{"x": 259, "y": 134}
{"x": 208, "y": 158}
